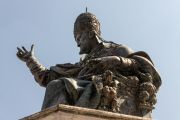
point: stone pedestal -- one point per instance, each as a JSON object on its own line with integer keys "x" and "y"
{"x": 66, "y": 112}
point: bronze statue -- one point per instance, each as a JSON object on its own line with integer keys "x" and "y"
{"x": 111, "y": 77}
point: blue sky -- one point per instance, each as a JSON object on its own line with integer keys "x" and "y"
{"x": 149, "y": 25}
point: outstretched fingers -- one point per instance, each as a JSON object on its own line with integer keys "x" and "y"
{"x": 19, "y": 54}
{"x": 32, "y": 49}
{"x": 24, "y": 49}
{"x": 20, "y": 51}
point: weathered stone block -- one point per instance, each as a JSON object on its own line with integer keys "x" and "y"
{"x": 66, "y": 112}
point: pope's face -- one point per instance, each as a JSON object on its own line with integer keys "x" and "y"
{"x": 83, "y": 42}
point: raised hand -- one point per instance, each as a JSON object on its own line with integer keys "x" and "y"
{"x": 23, "y": 54}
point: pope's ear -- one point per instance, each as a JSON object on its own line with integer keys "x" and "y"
{"x": 91, "y": 34}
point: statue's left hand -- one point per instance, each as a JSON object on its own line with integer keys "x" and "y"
{"x": 23, "y": 54}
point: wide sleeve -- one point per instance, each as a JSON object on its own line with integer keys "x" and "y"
{"x": 145, "y": 66}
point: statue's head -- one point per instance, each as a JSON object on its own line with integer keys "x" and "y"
{"x": 86, "y": 29}
{"x": 86, "y": 22}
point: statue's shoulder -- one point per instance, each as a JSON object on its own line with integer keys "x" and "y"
{"x": 119, "y": 49}
{"x": 125, "y": 48}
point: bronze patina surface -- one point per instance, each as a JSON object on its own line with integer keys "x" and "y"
{"x": 112, "y": 77}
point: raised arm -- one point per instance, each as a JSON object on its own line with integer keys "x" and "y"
{"x": 38, "y": 70}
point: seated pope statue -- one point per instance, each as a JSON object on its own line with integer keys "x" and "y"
{"x": 111, "y": 77}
